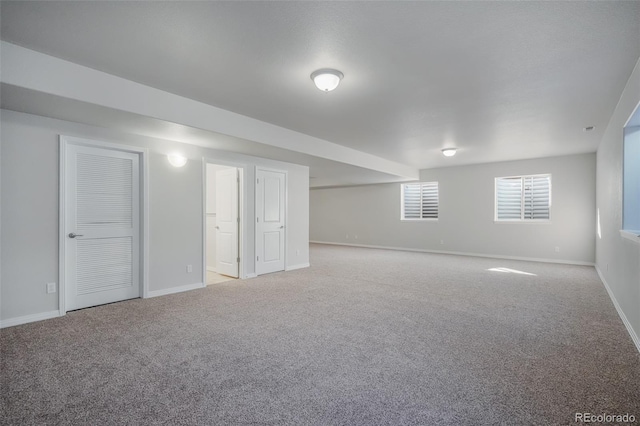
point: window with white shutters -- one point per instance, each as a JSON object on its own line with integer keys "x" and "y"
{"x": 419, "y": 201}
{"x": 521, "y": 198}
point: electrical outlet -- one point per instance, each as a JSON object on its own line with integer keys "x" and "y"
{"x": 441, "y": 242}
{"x": 355, "y": 236}
{"x": 51, "y": 288}
{"x": 189, "y": 268}
{"x": 297, "y": 252}
{"x": 347, "y": 236}
{"x": 557, "y": 249}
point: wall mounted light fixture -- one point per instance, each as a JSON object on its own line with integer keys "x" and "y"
{"x": 449, "y": 152}
{"x": 177, "y": 160}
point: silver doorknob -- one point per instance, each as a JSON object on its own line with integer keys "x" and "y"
{"x": 282, "y": 227}
{"x": 72, "y": 235}
{"x": 217, "y": 227}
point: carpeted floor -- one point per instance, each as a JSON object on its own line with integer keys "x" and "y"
{"x": 363, "y": 337}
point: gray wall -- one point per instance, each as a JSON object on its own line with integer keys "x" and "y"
{"x": 466, "y": 217}
{"x": 617, "y": 258}
{"x": 29, "y": 222}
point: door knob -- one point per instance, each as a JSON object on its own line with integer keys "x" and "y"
{"x": 217, "y": 227}
{"x": 282, "y": 227}
{"x": 72, "y": 235}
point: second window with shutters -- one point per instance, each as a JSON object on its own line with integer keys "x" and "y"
{"x": 419, "y": 201}
{"x": 523, "y": 198}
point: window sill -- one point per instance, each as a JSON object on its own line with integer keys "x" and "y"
{"x": 631, "y": 235}
{"x": 418, "y": 220}
{"x": 527, "y": 222}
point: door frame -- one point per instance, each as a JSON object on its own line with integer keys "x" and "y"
{"x": 241, "y": 214}
{"x": 285, "y": 212}
{"x": 143, "y": 155}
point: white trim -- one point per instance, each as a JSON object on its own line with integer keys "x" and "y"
{"x": 523, "y": 221}
{"x": 62, "y": 185}
{"x": 204, "y": 220}
{"x": 298, "y": 266}
{"x": 143, "y": 154}
{"x": 631, "y": 235}
{"x": 459, "y": 253}
{"x": 251, "y": 275}
{"x": 623, "y": 317}
{"x": 211, "y": 269}
{"x": 29, "y": 318}
{"x": 243, "y": 222}
{"x": 637, "y": 108}
{"x": 144, "y": 226}
{"x": 286, "y": 219}
{"x": 173, "y": 290}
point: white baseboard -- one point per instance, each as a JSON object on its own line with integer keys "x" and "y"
{"x": 29, "y": 318}
{"x": 623, "y": 317}
{"x": 298, "y": 266}
{"x": 173, "y": 290}
{"x": 252, "y": 275}
{"x": 211, "y": 269}
{"x": 459, "y": 253}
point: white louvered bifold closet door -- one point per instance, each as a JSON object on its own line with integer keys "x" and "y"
{"x": 102, "y": 226}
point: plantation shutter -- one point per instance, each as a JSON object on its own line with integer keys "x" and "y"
{"x": 536, "y": 197}
{"x": 420, "y": 200}
{"x": 429, "y": 200}
{"x": 509, "y": 198}
{"x": 523, "y": 197}
{"x": 412, "y": 201}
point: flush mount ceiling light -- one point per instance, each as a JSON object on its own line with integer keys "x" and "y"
{"x": 449, "y": 152}
{"x": 326, "y": 79}
{"x": 177, "y": 160}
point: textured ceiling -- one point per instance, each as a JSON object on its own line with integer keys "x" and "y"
{"x": 498, "y": 80}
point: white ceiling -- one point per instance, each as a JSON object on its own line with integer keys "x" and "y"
{"x": 498, "y": 80}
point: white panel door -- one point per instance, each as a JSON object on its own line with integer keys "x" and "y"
{"x": 102, "y": 226}
{"x": 227, "y": 221}
{"x": 270, "y": 221}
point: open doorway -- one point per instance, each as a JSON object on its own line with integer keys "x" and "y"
{"x": 223, "y": 212}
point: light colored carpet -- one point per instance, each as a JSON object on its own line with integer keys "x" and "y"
{"x": 363, "y": 337}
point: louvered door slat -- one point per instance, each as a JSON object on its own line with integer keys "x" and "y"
{"x": 104, "y": 192}
{"x": 104, "y": 264}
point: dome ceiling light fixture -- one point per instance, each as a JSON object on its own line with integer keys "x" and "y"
{"x": 449, "y": 152}
{"x": 326, "y": 79}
